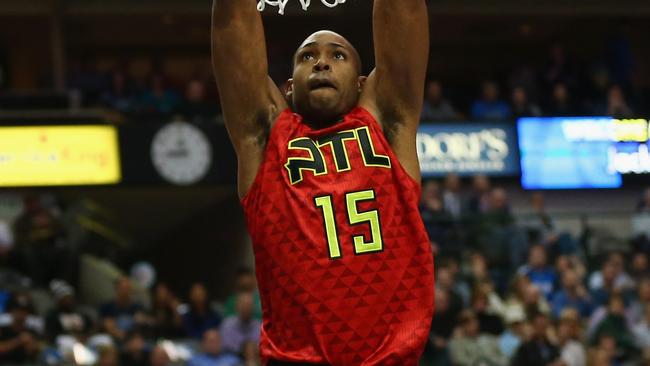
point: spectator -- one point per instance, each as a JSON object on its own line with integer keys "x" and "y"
{"x": 572, "y": 352}
{"x": 134, "y": 352}
{"x": 195, "y": 108}
{"x": 452, "y": 196}
{"x": 479, "y": 199}
{"x": 572, "y": 294}
{"x": 539, "y": 272}
{"x": 436, "y": 219}
{"x": 617, "y": 105}
{"x": 120, "y": 96}
{"x": 66, "y": 318}
{"x": 615, "y": 325}
{"x": 242, "y": 328}
{"x": 159, "y": 357}
{"x": 445, "y": 282}
{"x": 168, "y": 322}
{"x": 489, "y": 323}
{"x": 108, "y": 356}
{"x": 200, "y": 316}
{"x": 539, "y": 350}
{"x": 640, "y": 268}
{"x": 40, "y": 246}
{"x": 122, "y": 314}
{"x": 642, "y": 300}
{"x": 212, "y": 354}
{"x": 445, "y": 319}
{"x": 561, "y": 104}
{"x": 6, "y": 241}
{"x": 436, "y": 107}
{"x": 644, "y": 204}
{"x": 522, "y": 106}
{"x": 525, "y": 296}
{"x": 641, "y": 330}
{"x": 614, "y": 266}
{"x": 490, "y": 107}
{"x": 469, "y": 347}
{"x": 18, "y": 343}
{"x": 515, "y": 333}
{"x": 159, "y": 99}
{"x": 559, "y": 69}
{"x": 245, "y": 282}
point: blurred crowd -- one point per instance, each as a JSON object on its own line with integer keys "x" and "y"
{"x": 516, "y": 290}
{"x": 559, "y": 86}
{"x": 511, "y": 289}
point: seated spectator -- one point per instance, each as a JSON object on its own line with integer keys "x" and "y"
{"x": 490, "y": 107}
{"x": 134, "y": 351}
{"x": 6, "y": 242}
{"x": 168, "y": 322}
{"x": 445, "y": 319}
{"x": 489, "y": 323}
{"x": 644, "y": 204}
{"x": 159, "y": 357}
{"x": 242, "y": 328}
{"x": 195, "y": 108}
{"x": 617, "y": 105}
{"x": 452, "y": 197}
{"x": 572, "y": 294}
{"x": 18, "y": 343}
{"x": 470, "y": 347}
{"x": 640, "y": 267}
{"x": 615, "y": 324}
{"x": 245, "y": 282}
{"x": 479, "y": 199}
{"x": 516, "y": 332}
{"x": 640, "y": 302}
{"x": 158, "y": 99}
{"x": 539, "y": 272}
{"x": 539, "y": 350}
{"x": 122, "y": 314}
{"x": 446, "y": 280}
{"x": 199, "y": 316}
{"x": 212, "y": 354}
{"x": 66, "y": 318}
{"x": 561, "y": 104}
{"x": 436, "y": 107}
{"x": 38, "y": 234}
{"x": 572, "y": 352}
{"x": 120, "y": 96}
{"x": 612, "y": 277}
{"x": 108, "y": 356}
{"x": 522, "y": 106}
{"x": 527, "y": 297}
{"x": 436, "y": 219}
{"x": 641, "y": 330}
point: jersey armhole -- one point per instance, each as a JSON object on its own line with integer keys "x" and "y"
{"x": 258, "y": 176}
{"x": 370, "y": 119}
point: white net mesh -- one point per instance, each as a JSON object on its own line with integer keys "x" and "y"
{"x": 281, "y": 4}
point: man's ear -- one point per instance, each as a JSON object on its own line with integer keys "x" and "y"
{"x": 288, "y": 90}
{"x": 362, "y": 82}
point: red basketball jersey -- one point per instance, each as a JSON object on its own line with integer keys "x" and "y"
{"x": 343, "y": 261}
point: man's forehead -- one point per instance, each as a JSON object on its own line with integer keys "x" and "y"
{"x": 325, "y": 37}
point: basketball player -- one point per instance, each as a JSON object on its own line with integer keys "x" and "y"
{"x": 329, "y": 181}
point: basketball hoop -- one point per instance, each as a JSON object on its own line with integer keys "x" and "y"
{"x": 305, "y": 4}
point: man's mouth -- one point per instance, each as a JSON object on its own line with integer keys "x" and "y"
{"x": 321, "y": 83}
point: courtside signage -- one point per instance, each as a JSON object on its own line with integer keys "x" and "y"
{"x": 59, "y": 156}
{"x": 467, "y": 149}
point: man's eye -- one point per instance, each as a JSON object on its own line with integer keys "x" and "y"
{"x": 307, "y": 56}
{"x": 339, "y": 56}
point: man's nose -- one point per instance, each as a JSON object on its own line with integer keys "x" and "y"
{"x": 321, "y": 65}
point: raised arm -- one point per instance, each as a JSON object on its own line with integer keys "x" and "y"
{"x": 249, "y": 98}
{"x": 394, "y": 91}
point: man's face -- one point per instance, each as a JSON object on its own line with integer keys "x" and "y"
{"x": 326, "y": 81}
{"x": 212, "y": 342}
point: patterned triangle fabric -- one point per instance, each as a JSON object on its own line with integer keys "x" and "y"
{"x": 362, "y": 295}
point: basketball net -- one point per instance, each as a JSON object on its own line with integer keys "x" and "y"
{"x": 305, "y": 4}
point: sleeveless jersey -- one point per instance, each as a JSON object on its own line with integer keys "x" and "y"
{"x": 343, "y": 262}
